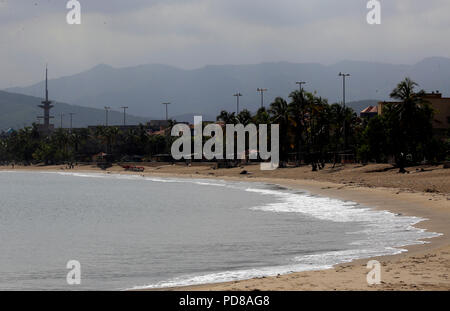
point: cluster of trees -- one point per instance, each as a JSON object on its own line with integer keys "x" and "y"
{"x": 404, "y": 132}
{"x": 311, "y": 131}
{"x": 29, "y": 146}
{"x": 316, "y": 132}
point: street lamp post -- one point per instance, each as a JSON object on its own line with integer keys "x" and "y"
{"x": 61, "y": 115}
{"x": 262, "y": 95}
{"x": 71, "y": 118}
{"x": 300, "y": 83}
{"x": 237, "y": 95}
{"x": 124, "y": 115}
{"x": 106, "y": 112}
{"x": 344, "y": 76}
{"x": 167, "y": 110}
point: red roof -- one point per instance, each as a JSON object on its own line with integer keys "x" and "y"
{"x": 370, "y": 109}
{"x": 161, "y": 133}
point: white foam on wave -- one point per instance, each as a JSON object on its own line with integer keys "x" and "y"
{"x": 383, "y": 230}
{"x": 384, "y": 234}
{"x": 197, "y": 181}
{"x": 302, "y": 263}
{"x": 229, "y": 276}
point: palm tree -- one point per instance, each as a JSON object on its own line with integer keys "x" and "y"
{"x": 336, "y": 116}
{"x": 318, "y": 130}
{"x": 227, "y": 117}
{"x": 111, "y": 134}
{"x": 410, "y": 101}
{"x": 279, "y": 111}
{"x": 405, "y": 92}
{"x": 261, "y": 116}
{"x": 108, "y": 135}
{"x": 298, "y": 112}
{"x": 77, "y": 139}
{"x": 404, "y": 118}
{"x": 244, "y": 117}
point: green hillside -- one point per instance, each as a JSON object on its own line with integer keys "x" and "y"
{"x": 19, "y": 110}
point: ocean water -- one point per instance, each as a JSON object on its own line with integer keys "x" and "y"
{"x": 144, "y": 232}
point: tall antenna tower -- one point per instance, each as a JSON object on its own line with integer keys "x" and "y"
{"x": 46, "y": 106}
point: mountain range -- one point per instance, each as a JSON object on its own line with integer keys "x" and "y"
{"x": 22, "y": 110}
{"x": 210, "y": 89}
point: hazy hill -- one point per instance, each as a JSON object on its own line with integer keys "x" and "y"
{"x": 20, "y": 110}
{"x": 209, "y": 89}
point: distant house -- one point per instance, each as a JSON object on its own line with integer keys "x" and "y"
{"x": 441, "y": 106}
{"x": 369, "y": 112}
{"x": 100, "y": 157}
{"x": 157, "y": 125}
{"x": 163, "y": 132}
{"x": 6, "y": 134}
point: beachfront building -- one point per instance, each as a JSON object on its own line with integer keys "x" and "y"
{"x": 441, "y": 106}
{"x": 158, "y": 125}
{"x": 369, "y": 112}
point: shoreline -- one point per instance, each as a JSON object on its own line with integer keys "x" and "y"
{"x": 422, "y": 267}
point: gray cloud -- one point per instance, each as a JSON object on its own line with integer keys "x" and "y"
{"x": 193, "y": 33}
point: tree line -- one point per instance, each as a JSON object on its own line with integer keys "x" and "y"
{"x": 316, "y": 132}
{"x": 312, "y": 131}
{"x": 29, "y": 146}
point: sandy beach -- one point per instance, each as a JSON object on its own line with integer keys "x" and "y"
{"x": 424, "y": 192}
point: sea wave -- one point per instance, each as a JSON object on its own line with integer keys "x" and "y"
{"x": 383, "y": 229}
{"x": 313, "y": 262}
{"x": 384, "y": 233}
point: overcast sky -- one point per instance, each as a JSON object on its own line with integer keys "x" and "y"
{"x": 194, "y": 33}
